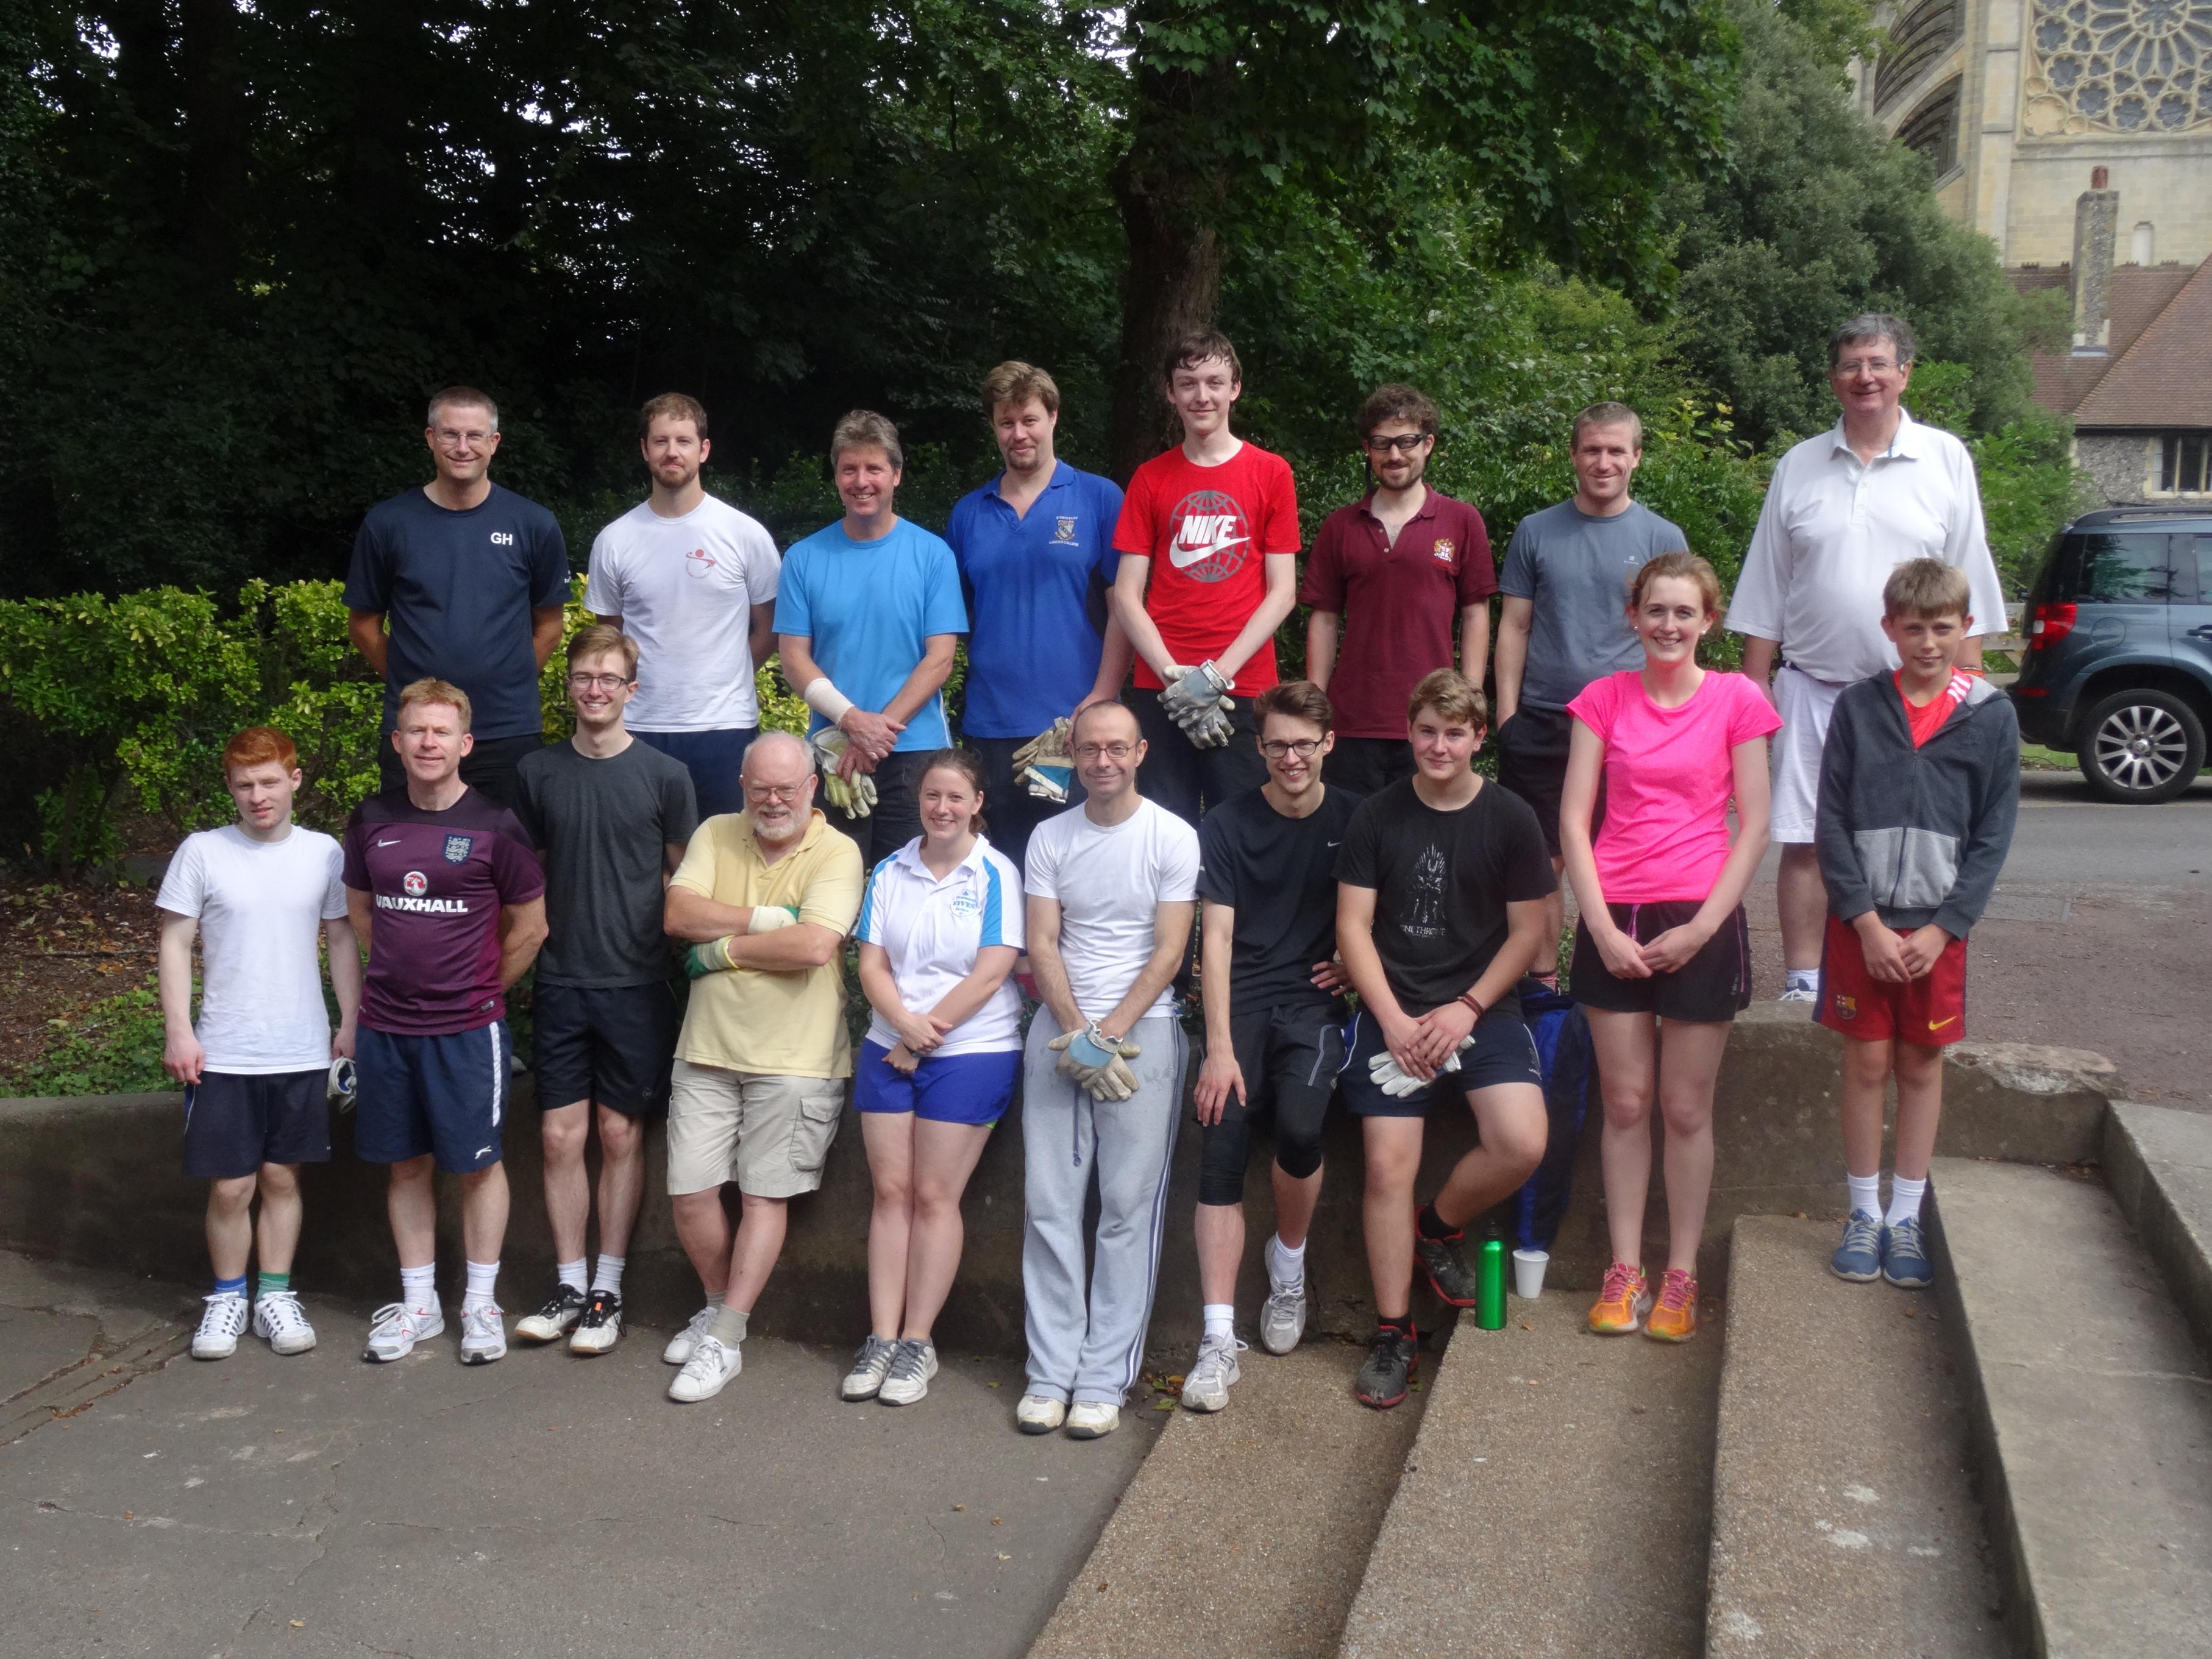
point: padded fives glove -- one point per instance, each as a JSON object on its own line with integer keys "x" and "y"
{"x": 1393, "y": 1079}
{"x": 712, "y": 957}
{"x": 1197, "y": 700}
{"x": 1044, "y": 765}
{"x": 1096, "y": 1063}
{"x": 855, "y": 798}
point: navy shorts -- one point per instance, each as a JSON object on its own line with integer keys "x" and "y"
{"x": 712, "y": 759}
{"x": 445, "y": 1095}
{"x": 614, "y": 1044}
{"x": 236, "y": 1121}
{"x": 1503, "y": 1052}
{"x": 970, "y": 1089}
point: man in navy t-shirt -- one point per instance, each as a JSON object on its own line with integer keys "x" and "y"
{"x": 470, "y": 578}
{"x": 1035, "y": 547}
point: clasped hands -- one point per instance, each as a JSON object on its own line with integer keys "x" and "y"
{"x": 1896, "y": 959}
{"x": 1096, "y": 1063}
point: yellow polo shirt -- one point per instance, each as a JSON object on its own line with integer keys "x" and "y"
{"x": 788, "y": 1025}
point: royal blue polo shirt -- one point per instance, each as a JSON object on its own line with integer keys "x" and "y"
{"x": 1037, "y": 598}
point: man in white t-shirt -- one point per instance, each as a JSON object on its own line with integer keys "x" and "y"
{"x": 1112, "y": 887}
{"x": 693, "y": 581}
{"x": 263, "y": 895}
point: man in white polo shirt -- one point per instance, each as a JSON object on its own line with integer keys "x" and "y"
{"x": 1844, "y": 509}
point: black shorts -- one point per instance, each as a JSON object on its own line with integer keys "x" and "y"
{"x": 1290, "y": 1057}
{"x": 1368, "y": 766}
{"x": 236, "y": 1121}
{"x": 1711, "y": 986}
{"x": 1532, "y": 762}
{"x": 610, "y": 1044}
{"x": 1503, "y": 1052}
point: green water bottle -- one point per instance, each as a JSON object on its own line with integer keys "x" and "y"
{"x": 1490, "y": 1286}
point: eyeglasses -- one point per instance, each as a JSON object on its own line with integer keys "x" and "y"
{"x": 452, "y": 438}
{"x": 783, "y": 792}
{"x": 1091, "y": 751}
{"x": 1405, "y": 444}
{"x": 604, "y": 682}
{"x": 1865, "y": 366}
{"x": 1303, "y": 748}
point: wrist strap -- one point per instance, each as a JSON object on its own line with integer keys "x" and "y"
{"x": 826, "y": 699}
{"x": 1468, "y": 998}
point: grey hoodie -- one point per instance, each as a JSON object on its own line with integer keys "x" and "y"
{"x": 1916, "y": 835}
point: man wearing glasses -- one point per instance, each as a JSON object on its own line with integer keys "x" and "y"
{"x": 1843, "y": 510}
{"x": 610, "y": 816}
{"x": 470, "y": 580}
{"x": 1401, "y": 563}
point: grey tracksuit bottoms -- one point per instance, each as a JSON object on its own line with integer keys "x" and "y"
{"x": 1092, "y": 1349}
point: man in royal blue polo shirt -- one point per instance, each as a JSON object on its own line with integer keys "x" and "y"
{"x": 470, "y": 578}
{"x": 442, "y": 887}
{"x": 1035, "y": 547}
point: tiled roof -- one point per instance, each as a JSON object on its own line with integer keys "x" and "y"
{"x": 2164, "y": 377}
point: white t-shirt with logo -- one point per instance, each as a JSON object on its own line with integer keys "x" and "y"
{"x": 1107, "y": 880}
{"x": 932, "y": 930}
{"x": 685, "y": 589}
{"x": 261, "y": 907}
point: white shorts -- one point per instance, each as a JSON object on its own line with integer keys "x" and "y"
{"x": 1805, "y": 704}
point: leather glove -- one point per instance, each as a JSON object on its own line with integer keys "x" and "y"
{"x": 1096, "y": 1063}
{"x": 1197, "y": 700}
{"x": 1044, "y": 764}
{"x": 1393, "y": 1079}
{"x": 712, "y": 957}
{"x": 856, "y": 797}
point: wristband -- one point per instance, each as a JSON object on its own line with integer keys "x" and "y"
{"x": 826, "y": 699}
{"x": 1468, "y": 997}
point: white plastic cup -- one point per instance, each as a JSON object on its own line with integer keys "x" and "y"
{"x": 1528, "y": 1273}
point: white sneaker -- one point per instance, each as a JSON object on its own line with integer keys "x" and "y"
{"x": 1283, "y": 1316}
{"x": 680, "y": 1345}
{"x": 483, "y": 1333}
{"x": 1092, "y": 1419}
{"x": 1799, "y": 993}
{"x": 395, "y": 1328}
{"x": 912, "y": 1364}
{"x": 1206, "y": 1386}
{"x": 221, "y": 1325}
{"x": 711, "y": 1365}
{"x": 599, "y": 1326}
{"x": 279, "y": 1321}
{"x": 871, "y": 1362}
{"x": 1040, "y": 1413}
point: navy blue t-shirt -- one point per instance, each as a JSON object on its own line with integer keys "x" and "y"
{"x": 457, "y": 590}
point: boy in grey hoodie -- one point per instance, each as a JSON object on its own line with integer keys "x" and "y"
{"x": 1919, "y": 785}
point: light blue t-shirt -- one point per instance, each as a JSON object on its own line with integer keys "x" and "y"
{"x": 1574, "y": 571}
{"x": 867, "y": 607}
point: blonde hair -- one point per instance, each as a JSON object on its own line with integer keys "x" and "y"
{"x": 1016, "y": 382}
{"x": 863, "y": 429}
{"x": 430, "y": 690}
{"x": 1453, "y": 696}
{"x": 1927, "y": 588}
{"x": 604, "y": 640}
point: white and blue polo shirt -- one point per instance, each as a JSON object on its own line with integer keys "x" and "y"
{"x": 932, "y": 930}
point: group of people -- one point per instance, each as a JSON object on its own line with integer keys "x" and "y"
{"x": 1319, "y": 840}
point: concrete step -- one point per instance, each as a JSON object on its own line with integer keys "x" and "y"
{"x": 1838, "y": 1528}
{"x": 2158, "y": 1162}
{"x": 2093, "y": 1409}
{"x": 1557, "y": 1502}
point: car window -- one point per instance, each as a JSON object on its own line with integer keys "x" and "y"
{"x": 2123, "y": 569}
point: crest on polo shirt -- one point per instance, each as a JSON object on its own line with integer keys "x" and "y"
{"x": 456, "y": 848}
{"x": 965, "y": 903}
{"x": 1063, "y": 528}
{"x": 1444, "y": 549}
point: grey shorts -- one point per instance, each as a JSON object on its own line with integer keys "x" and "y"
{"x": 769, "y": 1134}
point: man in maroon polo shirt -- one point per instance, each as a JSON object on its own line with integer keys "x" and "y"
{"x": 1388, "y": 575}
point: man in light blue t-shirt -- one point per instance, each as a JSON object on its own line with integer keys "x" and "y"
{"x": 867, "y": 616}
{"x": 1035, "y": 547}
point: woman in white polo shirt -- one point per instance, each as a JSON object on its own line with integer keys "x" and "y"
{"x": 941, "y": 927}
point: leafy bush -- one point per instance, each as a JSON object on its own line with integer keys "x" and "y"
{"x": 112, "y": 1047}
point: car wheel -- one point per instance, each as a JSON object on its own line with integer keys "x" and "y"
{"x": 2139, "y": 748}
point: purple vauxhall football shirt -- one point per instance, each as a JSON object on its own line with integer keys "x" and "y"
{"x": 437, "y": 881}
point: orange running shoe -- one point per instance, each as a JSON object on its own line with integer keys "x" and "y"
{"x": 1622, "y": 1301}
{"x": 1675, "y": 1318}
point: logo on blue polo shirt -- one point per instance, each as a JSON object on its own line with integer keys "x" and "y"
{"x": 456, "y": 848}
{"x": 1064, "y": 527}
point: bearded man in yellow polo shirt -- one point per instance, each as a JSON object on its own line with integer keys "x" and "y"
{"x": 766, "y": 897}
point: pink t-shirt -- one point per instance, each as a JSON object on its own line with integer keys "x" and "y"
{"x": 1668, "y": 774}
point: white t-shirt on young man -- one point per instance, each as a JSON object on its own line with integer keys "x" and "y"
{"x": 1107, "y": 880}
{"x": 686, "y": 589}
{"x": 261, "y": 905}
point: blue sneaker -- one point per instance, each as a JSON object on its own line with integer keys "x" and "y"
{"x": 1858, "y": 1258}
{"x": 1904, "y": 1261}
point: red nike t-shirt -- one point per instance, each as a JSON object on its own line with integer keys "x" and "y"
{"x": 1207, "y": 531}
{"x": 1925, "y": 721}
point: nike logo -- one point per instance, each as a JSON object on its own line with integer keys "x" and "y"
{"x": 1938, "y": 1024}
{"x": 1181, "y": 553}
{"x": 1336, "y": 843}
{"x": 387, "y": 844}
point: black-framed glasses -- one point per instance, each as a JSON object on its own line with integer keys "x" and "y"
{"x": 1406, "y": 443}
{"x": 604, "y": 682}
{"x": 1303, "y": 748}
{"x": 1091, "y": 751}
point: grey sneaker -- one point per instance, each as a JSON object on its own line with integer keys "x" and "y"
{"x": 395, "y": 1328}
{"x": 1283, "y": 1316}
{"x": 912, "y": 1366}
{"x": 1206, "y": 1388}
{"x": 871, "y": 1360}
{"x": 484, "y": 1334}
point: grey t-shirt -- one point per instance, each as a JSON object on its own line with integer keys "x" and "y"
{"x": 602, "y": 828}
{"x": 1575, "y": 570}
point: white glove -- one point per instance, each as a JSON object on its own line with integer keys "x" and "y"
{"x": 1197, "y": 700}
{"x": 1096, "y": 1063}
{"x": 767, "y": 918}
{"x": 1044, "y": 765}
{"x": 1393, "y": 1079}
{"x": 856, "y": 799}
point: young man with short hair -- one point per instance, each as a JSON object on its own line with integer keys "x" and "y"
{"x": 866, "y": 619}
{"x": 1563, "y": 622}
{"x": 1440, "y": 911}
{"x": 1036, "y": 550}
{"x": 1274, "y": 1017}
{"x": 766, "y": 898}
{"x": 1111, "y": 886}
{"x": 472, "y": 579}
{"x": 446, "y": 894}
{"x": 1209, "y": 541}
{"x": 258, "y": 1070}
{"x": 693, "y": 581}
{"x": 1387, "y": 576}
{"x": 610, "y": 819}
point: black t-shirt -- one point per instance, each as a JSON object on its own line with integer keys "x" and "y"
{"x": 1278, "y": 874}
{"x": 602, "y": 828}
{"x": 1441, "y": 882}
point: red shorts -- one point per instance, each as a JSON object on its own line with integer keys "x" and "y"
{"x": 1930, "y": 1011}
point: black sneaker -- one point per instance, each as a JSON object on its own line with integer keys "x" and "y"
{"x": 1392, "y": 1357}
{"x": 1449, "y": 1276}
{"x": 599, "y": 1326}
{"x": 552, "y": 1321}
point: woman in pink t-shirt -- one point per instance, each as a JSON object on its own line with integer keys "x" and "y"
{"x": 1662, "y": 962}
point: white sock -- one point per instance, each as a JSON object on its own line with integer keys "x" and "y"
{"x": 1865, "y": 1192}
{"x": 1803, "y": 979}
{"x": 1220, "y": 1319}
{"x": 572, "y": 1274}
{"x": 1285, "y": 1265}
{"x": 481, "y": 1276}
{"x": 609, "y": 1276}
{"x": 418, "y": 1287}
{"x": 1905, "y": 1198}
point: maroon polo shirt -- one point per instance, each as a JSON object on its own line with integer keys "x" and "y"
{"x": 1398, "y": 603}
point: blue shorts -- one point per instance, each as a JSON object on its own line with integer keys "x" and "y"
{"x": 445, "y": 1095}
{"x": 712, "y": 759}
{"x": 972, "y": 1089}
{"x": 1503, "y": 1052}
{"x": 235, "y": 1122}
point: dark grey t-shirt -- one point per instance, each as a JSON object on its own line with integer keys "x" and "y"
{"x": 1575, "y": 570}
{"x": 602, "y": 828}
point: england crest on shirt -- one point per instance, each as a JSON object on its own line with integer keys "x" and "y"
{"x": 1063, "y": 528}
{"x": 456, "y": 848}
